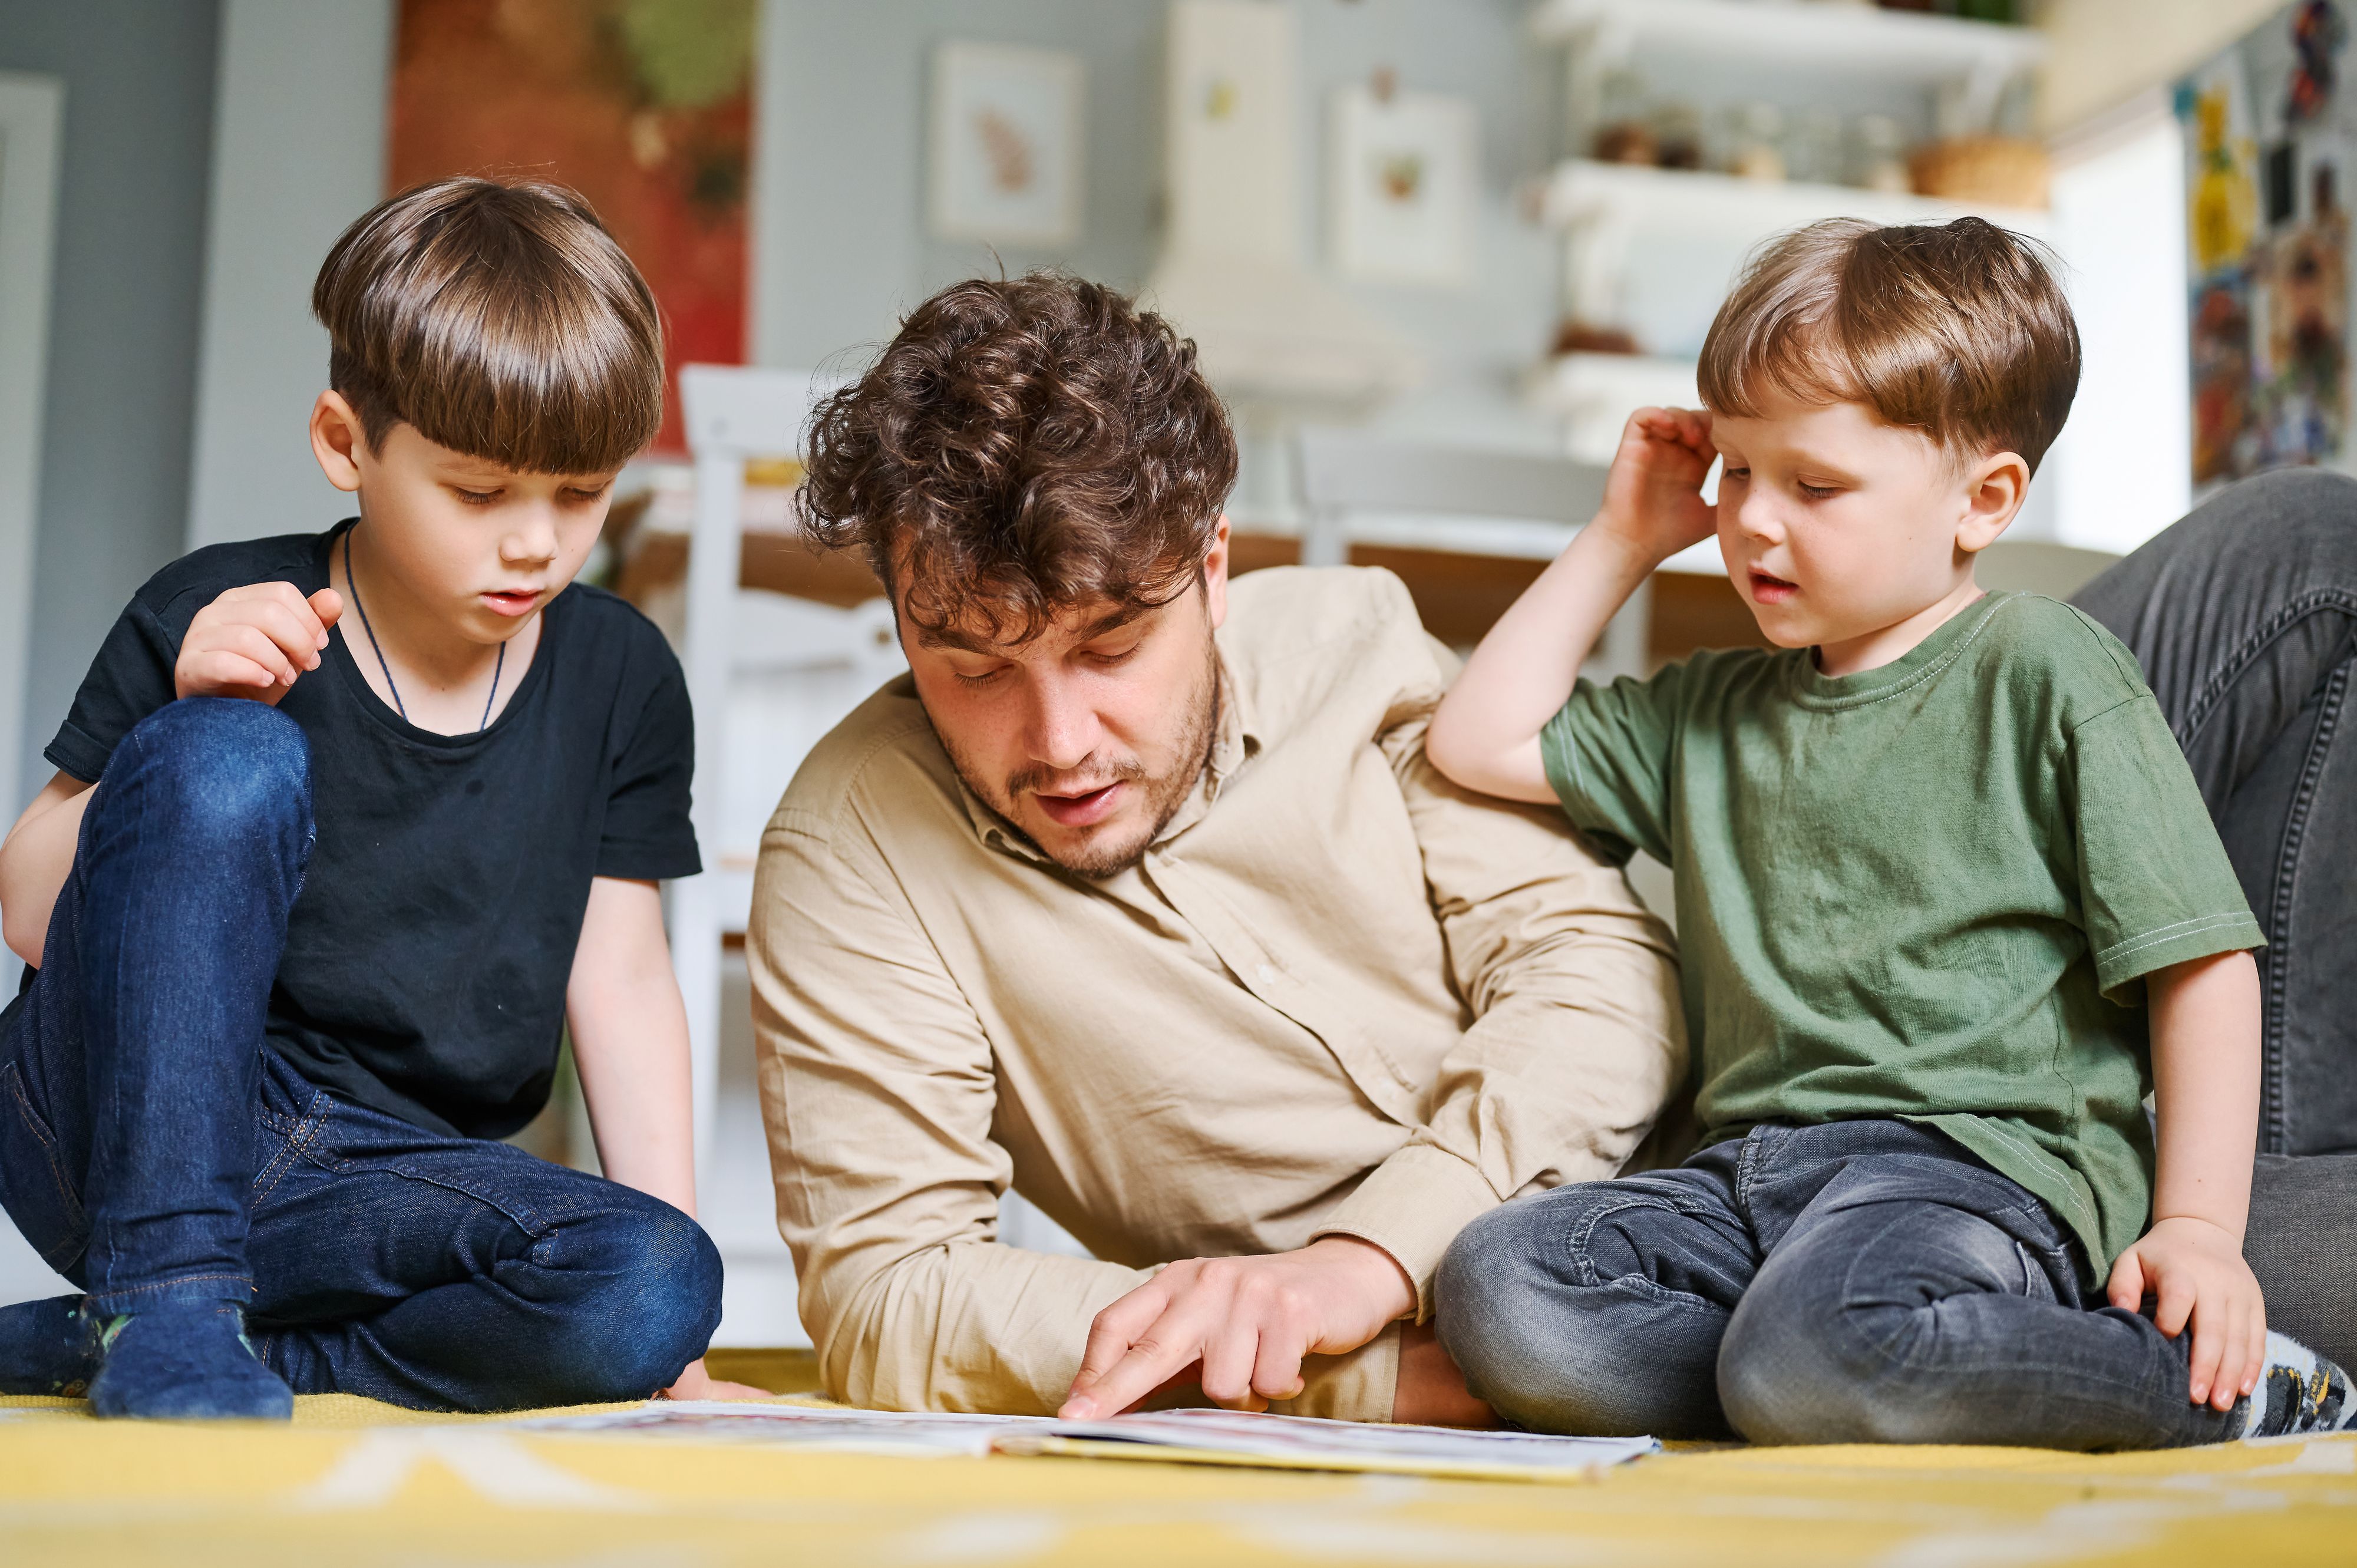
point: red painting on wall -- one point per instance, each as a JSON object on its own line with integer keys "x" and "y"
{"x": 644, "y": 106}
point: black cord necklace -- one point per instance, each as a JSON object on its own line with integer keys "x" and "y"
{"x": 498, "y": 664}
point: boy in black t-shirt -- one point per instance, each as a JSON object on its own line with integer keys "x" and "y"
{"x": 376, "y": 813}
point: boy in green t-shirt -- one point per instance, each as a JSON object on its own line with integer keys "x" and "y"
{"x": 1950, "y": 906}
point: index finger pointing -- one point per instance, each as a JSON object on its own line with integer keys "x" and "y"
{"x": 1117, "y": 1328}
{"x": 1170, "y": 1342}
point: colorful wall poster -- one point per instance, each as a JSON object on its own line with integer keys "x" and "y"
{"x": 2269, "y": 137}
{"x": 644, "y": 106}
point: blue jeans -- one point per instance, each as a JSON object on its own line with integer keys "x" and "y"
{"x": 156, "y": 1152}
{"x": 1854, "y": 1281}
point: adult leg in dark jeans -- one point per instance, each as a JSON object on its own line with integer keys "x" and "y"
{"x": 153, "y": 1156}
{"x": 2245, "y": 617}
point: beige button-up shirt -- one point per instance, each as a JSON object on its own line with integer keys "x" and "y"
{"x": 1338, "y": 996}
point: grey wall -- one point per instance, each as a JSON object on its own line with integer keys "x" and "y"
{"x": 842, "y": 249}
{"x": 299, "y": 152}
{"x": 125, "y": 307}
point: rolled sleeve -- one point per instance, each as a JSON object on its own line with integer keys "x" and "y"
{"x": 879, "y": 1091}
{"x": 1576, "y": 1038}
{"x": 1413, "y": 1206}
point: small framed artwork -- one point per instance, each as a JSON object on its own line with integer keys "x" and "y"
{"x": 1403, "y": 181}
{"x": 1006, "y": 144}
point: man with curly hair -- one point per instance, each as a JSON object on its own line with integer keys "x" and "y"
{"x": 1138, "y": 893}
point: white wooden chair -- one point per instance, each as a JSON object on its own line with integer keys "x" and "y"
{"x": 1359, "y": 488}
{"x": 769, "y": 675}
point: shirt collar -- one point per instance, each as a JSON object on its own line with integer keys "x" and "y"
{"x": 1235, "y": 741}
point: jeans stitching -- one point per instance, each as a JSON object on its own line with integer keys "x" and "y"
{"x": 1591, "y": 1276}
{"x": 2198, "y": 711}
{"x": 245, "y": 1280}
{"x": 2275, "y": 1109}
{"x": 298, "y": 1142}
{"x": 80, "y": 1221}
{"x": 516, "y": 1214}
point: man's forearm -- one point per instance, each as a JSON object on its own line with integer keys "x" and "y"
{"x": 969, "y": 1325}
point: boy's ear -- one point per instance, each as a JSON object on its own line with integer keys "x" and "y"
{"x": 1994, "y": 489}
{"x": 338, "y": 440}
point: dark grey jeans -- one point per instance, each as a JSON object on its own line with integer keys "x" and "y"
{"x": 1854, "y": 1281}
{"x": 2245, "y": 617}
{"x": 1680, "y": 1300}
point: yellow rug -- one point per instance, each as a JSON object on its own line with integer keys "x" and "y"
{"x": 356, "y": 1485}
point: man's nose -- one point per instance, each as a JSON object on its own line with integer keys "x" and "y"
{"x": 1063, "y": 728}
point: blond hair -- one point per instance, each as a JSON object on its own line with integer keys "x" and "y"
{"x": 1957, "y": 329}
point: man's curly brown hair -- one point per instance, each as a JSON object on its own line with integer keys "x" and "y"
{"x": 1024, "y": 446}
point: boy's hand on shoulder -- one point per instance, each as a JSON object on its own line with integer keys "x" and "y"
{"x": 1652, "y": 498}
{"x": 2193, "y": 1272}
{"x": 254, "y": 642}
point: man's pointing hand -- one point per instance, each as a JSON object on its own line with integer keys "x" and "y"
{"x": 1246, "y": 1322}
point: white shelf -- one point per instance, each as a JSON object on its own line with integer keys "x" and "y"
{"x": 1584, "y": 383}
{"x": 1581, "y": 193}
{"x": 1595, "y": 394}
{"x": 1863, "y": 40}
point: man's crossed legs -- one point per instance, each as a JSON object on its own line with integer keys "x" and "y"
{"x": 158, "y": 1155}
{"x": 1853, "y": 1281}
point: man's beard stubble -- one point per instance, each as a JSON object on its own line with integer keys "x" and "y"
{"x": 1098, "y": 857}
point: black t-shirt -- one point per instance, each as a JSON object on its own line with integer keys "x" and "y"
{"x": 427, "y": 955}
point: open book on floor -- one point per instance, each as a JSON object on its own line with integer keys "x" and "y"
{"x": 1195, "y": 1436}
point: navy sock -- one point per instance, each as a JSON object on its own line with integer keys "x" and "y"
{"x": 185, "y": 1363}
{"x": 46, "y": 1348}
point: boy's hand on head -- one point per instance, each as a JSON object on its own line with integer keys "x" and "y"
{"x": 254, "y": 642}
{"x": 2194, "y": 1273}
{"x": 1652, "y": 498}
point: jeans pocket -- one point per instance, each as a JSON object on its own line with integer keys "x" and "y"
{"x": 41, "y": 1197}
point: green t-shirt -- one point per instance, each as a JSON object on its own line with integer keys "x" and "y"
{"x": 1928, "y": 891}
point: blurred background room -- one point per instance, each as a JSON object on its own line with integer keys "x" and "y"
{"x": 1433, "y": 252}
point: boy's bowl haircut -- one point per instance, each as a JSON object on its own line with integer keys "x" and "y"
{"x": 1958, "y": 330}
{"x": 501, "y": 320}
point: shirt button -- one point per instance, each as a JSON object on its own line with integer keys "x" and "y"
{"x": 1265, "y": 974}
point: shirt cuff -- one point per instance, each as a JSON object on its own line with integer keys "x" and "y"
{"x": 2132, "y": 957}
{"x": 1413, "y": 1206}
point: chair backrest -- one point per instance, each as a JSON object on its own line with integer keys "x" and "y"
{"x": 1354, "y": 471}
{"x": 733, "y": 413}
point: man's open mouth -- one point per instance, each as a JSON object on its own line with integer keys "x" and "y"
{"x": 1080, "y": 809}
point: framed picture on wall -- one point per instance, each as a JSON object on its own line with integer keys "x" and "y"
{"x": 1403, "y": 183}
{"x": 1006, "y": 163}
